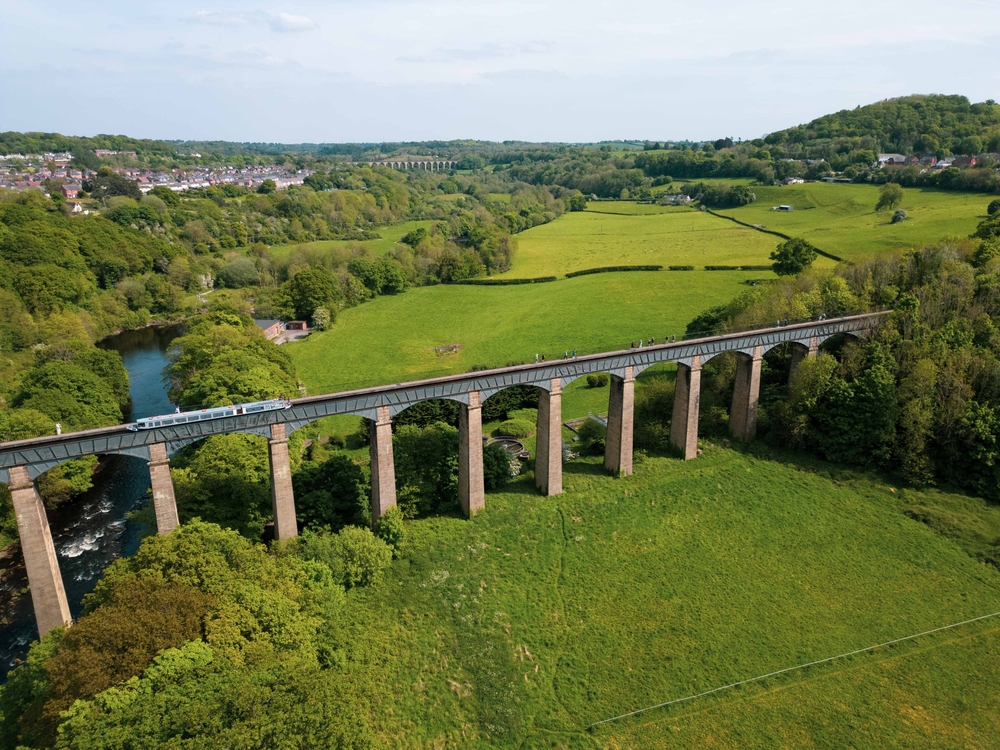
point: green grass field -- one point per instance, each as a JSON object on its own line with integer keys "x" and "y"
{"x": 631, "y": 208}
{"x": 524, "y": 626}
{"x": 393, "y": 339}
{"x": 389, "y": 237}
{"x": 623, "y": 235}
{"x": 841, "y": 219}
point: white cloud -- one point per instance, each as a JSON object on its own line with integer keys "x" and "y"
{"x": 288, "y": 22}
{"x": 222, "y": 18}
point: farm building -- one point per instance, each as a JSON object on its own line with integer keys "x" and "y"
{"x": 271, "y": 328}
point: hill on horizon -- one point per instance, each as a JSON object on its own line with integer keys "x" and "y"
{"x": 928, "y": 123}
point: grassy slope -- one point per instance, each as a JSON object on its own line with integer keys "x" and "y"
{"x": 656, "y": 235}
{"x": 544, "y": 615}
{"x": 841, "y": 219}
{"x": 392, "y": 339}
{"x": 390, "y": 235}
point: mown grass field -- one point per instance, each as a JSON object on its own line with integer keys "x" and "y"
{"x": 389, "y": 237}
{"x": 636, "y": 234}
{"x": 841, "y": 219}
{"x": 541, "y": 616}
{"x": 393, "y": 339}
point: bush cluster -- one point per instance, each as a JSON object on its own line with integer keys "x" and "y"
{"x": 516, "y": 428}
{"x": 611, "y": 269}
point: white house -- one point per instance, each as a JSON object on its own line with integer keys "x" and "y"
{"x": 893, "y": 159}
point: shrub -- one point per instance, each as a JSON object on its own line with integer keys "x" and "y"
{"x": 390, "y": 529}
{"x": 612, "y": 269}
{"x": 496, "y": 466}
{"x": 994, "y": 207}
{"x": 526, "y": 415}
{"x": 593, "y": 435}
{"x": 239, "y": 272}
{"x": 504, "y": 282}
{"x": 517, "y": 428}
{"x": 598, "y": 380}
{"x": 365, "y": 557}
{"x": 898, "y": 216}
{"x": 681, "y": 268}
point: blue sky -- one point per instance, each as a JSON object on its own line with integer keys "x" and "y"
{"x": 438, "y": 69}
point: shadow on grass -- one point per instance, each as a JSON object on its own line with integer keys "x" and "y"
{"x": 594, "y": 467}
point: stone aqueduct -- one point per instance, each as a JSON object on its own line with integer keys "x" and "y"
{"x": 22, "y": 461}
{"x": 429, "y": 165}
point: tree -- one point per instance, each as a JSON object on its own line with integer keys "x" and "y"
{"x": 116, "y": 642}
{"x": 496, "y": 466}
{"x": 240, "y": 272}
{"x": 312, "y": 288}
{"x": 106, "y": 184}
{"x": 792, "y": 257}
{"x": 415, "y": 237}
{"x": 225, "y": 480}
{"x": 322, "y": 318}
{"x": 166, "y": 195}
{"x": 889, "y": 196}
{"x": 994, "y": 207}
{"x": 578, "y": 203}
{"x": 332, "y": 494}
{"x": 391, "y": 530}
{"x": 267, "y": 187}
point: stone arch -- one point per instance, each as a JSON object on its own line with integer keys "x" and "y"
{"x": 36, "y": 468}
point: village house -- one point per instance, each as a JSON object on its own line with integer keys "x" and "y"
{"x": 891, "y": 159}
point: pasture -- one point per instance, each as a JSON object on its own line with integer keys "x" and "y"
{"x": 524, "y": 626}
{"x": 390, "y": 235}
{"x": 841, "y": 219}
{"x": 621, "y": 233}
{"x": 394, "y": 339}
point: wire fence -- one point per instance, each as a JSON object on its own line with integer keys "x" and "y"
{"x": 786, "y": 670}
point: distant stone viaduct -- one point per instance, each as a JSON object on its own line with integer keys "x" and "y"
{"x": 22, "y": 461}
{"x": 430, "y": 166}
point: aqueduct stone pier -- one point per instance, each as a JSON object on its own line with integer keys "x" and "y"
{"x": 23, "y": 460}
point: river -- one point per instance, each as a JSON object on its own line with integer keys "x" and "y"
{"x": 94, "y": 530}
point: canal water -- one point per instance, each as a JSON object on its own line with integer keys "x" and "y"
{"x": 94, "y": 530}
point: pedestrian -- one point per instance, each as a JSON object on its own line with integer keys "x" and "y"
{"x": 543, "y": 358}
{"x": 536, "y": 359}
{"x": 58, "y": 429}
{"x": 652, "y": 341}
{"x": 574, "y": 354}
{"x": 640, "y": 343}
{"x": 566, "y": 354}
{"x": 632, "y": 346}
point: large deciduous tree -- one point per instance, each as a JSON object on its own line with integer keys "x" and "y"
{"x": 792, "y": 257}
